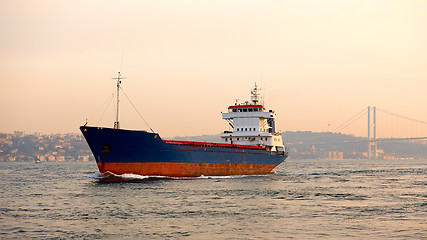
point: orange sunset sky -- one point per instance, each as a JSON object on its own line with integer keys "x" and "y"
{"x": 319, "y": 62}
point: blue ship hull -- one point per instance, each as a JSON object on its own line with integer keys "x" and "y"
{"x": 139, "y": 152}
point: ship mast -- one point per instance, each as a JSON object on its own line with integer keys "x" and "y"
{"x": 254, "y": 95}
{"x": 119, "y": 78}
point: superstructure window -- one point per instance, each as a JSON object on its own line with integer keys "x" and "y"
{"x": 234, "y": 110}
{"x": 245, "y": 110}
{"x": 255, "y": 109}
{"x": 251, "y": 109}
{"x": 246, "y": 129}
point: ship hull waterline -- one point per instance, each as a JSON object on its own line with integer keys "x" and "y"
{"x": 119, "y": 151}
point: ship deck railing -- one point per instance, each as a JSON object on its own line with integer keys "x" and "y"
{"x": 213, "y": 145}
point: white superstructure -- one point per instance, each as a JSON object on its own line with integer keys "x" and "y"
{"x": 252, "y": 124}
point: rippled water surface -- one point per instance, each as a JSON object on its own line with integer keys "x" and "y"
{"x": 314, "y": 199}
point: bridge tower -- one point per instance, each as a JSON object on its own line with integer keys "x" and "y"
{"x": 372, "y": 143}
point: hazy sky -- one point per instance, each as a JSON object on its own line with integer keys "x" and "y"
{"x": 320, "y": 62}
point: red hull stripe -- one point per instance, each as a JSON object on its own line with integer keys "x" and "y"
{"x": 185, "y": 169}
{"x": 245, "y": 106}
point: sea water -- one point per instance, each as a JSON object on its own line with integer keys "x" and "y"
{"x": 303, "y": 199}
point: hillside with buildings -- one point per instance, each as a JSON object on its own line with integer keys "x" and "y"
{"x": 327, "y": 145}
{"x": 19, "y": 146}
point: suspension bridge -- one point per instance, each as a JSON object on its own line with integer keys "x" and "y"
{"x": 383, "y": 125}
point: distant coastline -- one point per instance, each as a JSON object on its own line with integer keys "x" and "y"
{"x": 336, "y": 146}
{"x": 37, "y": 147}
{"x": 71, "y": 147}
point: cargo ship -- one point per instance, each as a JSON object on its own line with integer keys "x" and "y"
{"x": 251, "y": 146}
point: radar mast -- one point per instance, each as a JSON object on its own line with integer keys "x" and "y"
{"x": 255, "y": 95}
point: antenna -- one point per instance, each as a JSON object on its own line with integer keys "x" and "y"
{"x": 262, "y": 87}
{"x": 118, "y": 78}
{"x": 263, "y": 91}
{"x": 254, "y": 95}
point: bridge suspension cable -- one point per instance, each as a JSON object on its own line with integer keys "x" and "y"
{"x": 350, "y": 121}
{"x": 395, "y": 125}
{"x": 401, "y": 116}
